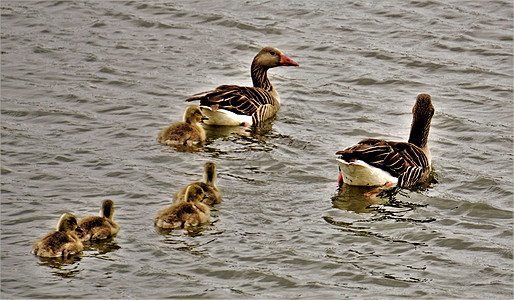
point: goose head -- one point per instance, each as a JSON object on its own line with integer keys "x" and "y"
{"x": 270, "y": 57}
{"x": 194, "y": 194}
{"x": 423, "y": 109}
{"x": 67, "y": 223}
{"x": 107, "y": 209}
{"x": 193, "y": 114}
{"x": 209, "y": 173}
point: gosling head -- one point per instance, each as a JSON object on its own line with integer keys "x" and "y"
{"x": 270, "y": 57}
{"x": 68, "y": 222}
{"x": 194, "y": 193}
{"x": 107, "y": 209}
{"x": 193, "y": 114}
{"x": 209, "y": 173}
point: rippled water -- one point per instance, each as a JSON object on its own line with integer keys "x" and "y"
{"x": 85, "y": 87}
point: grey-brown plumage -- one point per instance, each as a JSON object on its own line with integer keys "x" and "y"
{"x": 260, "y": 102}
{"x": 410, "y": 161}
{"x": 212, "y": 193}
{"x": 62, "y": 242}
{"x": 189, "y": 212}
{"x": 100, "y": 227}
{"x": 187, "y": 133}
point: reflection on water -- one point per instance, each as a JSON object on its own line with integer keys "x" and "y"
{"x": 103, "y": 247}
{"x": 359, "y": 199}
{"x": 215, "y": 132}
{"x": 68, "y": 267}
{"x": 187, "y": 148}
{"x": 255, "y": 133}
{"x": 240, "y": 139}
{"x": 65, "y": 267}
{"x": 262, "y": 129}
{"x": 190, "y": 231}
{"x": 384, "y": 204}
{"x": 366, "y": 199}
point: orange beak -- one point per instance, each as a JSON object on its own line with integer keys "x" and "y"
{"x": 286, "y": 61}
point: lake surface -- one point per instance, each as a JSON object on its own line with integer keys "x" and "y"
{"x": 86, "y": 86}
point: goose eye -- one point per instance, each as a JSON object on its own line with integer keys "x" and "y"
{"x": 273, "y": 53}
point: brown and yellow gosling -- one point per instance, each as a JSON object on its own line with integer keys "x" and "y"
{"x": 62, "y": 242}
{"x": 189, "y": 212}
{"x": 187, "y": 133}
{"x": 212, "y": 193}
{"x": 100, "y": 227}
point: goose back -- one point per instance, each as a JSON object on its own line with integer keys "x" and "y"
{"x": 402, "y": 160}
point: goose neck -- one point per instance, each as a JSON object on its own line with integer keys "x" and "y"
{"x": 419, "y": 133}
{"x": 260, "y": 77}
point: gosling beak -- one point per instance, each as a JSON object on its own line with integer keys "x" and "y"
{"x": 286, "y": 61}
{"x": 78, "y": 229}
{"x": 204, "y": 118}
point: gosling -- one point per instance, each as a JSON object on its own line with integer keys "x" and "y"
{"x": 189, "y": 212}
{"x": 62, "y": 242}
{"x": 188, "y": 132}
{"x": 100, "y": 227}
{"x": 212, "y": 193}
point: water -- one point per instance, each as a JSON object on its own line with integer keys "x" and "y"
{"x": 87, "y": 86}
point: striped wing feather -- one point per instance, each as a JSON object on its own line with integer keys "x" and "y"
{"x": 238, "y": 99}
{"x": 403, "y": 160}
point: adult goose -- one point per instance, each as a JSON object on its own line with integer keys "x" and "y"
{"x": 61, "y": 242}
{"x": 187, "y": 133}
{"x": 100, "y": 227}
{"x": 374, "y": 162}
{"x": 212, "y": 193}
{"x": 234, "y": 105}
